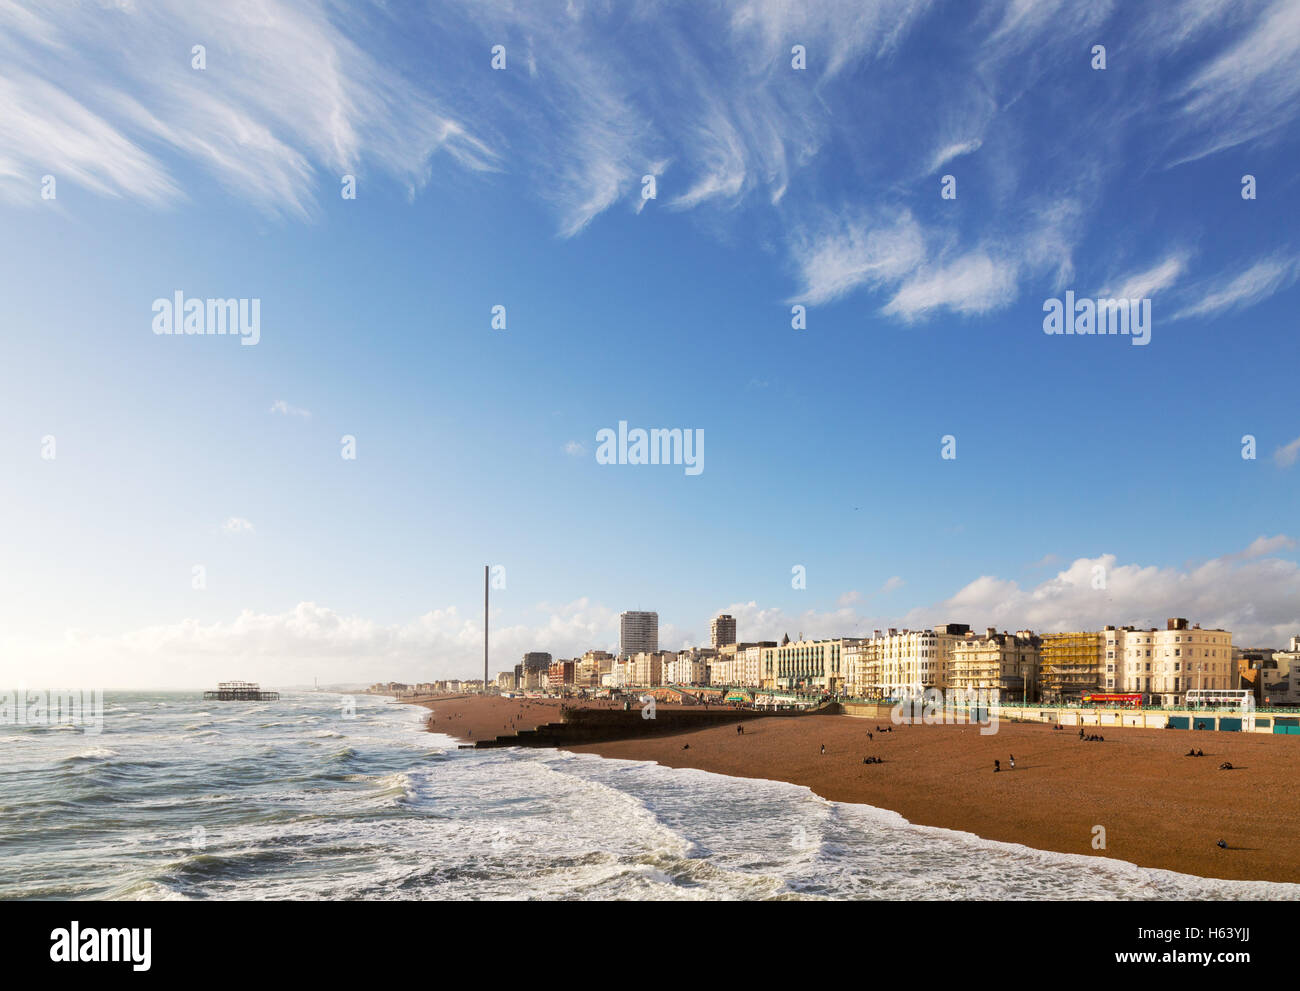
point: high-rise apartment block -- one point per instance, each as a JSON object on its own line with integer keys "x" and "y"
{"x": 722, "y": 631}
{"x": 638, "y": 633}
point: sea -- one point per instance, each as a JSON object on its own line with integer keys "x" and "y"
{"x": 324, "y": 796}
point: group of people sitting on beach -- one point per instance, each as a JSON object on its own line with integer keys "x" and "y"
{"x": 872, "y": 760}
{"x": 887, "y": 729}
{"x": 1225, "y": 766}
{"x": 1091, "y": 737}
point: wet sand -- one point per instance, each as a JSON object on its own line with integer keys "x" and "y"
{"x": 1158, "y": 807}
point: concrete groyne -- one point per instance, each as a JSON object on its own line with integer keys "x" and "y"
{"x": 603, "y": 725}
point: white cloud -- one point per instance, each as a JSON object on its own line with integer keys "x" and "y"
{"x": 280, "y": 406}
{"x": 971, "y": 284}
{"x": 1261, "y": 546}
{"x": 848, "y": 598}
{"x": 237, "y": 524}
{"x": 1248, "y": 91}
{"x": 1255, "y": 596}
{"x": 1286, "y": 455}
{"x": 955, "y": 150}
{"x": 891, "y": 585}
{"x": 288, "y": 102}
{"x": 1261, "y": 280}
{"x": 846, "y": 253}
{"x": 575, "y": 449}
{"x": 45, "y": 131}
{"x": 1252, "y": 594}
{"x": 1143, "y": 284}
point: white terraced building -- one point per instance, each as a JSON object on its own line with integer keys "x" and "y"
{"x": 895, "y": 664}
{"x": 1169, "y": 662}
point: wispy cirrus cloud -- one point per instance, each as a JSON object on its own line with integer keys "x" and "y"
{"x": 704, "y": 97}
{"x": 1248, "y": 91}
{"x": 1146, "y": 283}
{"x": 1256, "y": 283}
{"x": 848, "y": 252}
{"x": 108, "y": 97}
{"x": 976, "y": 282}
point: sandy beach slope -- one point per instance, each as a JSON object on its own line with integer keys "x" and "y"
{"x": 1158, "y": 807}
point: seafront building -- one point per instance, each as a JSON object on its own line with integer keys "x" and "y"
{"x": 690, "y": 666}
{"x": 899, "y": 664}
{"x": 560, "y": 675}
{"x": 749, "y": 663}
{"x": 532, "y": 676}
{"x": 722, "y": 631}
{"x": 1072, "y": 664}
{"x": 1006, "y": 667}
{"x": 1280, "y": 681}
{"x": 1168, "y": 662}
{"x": 638, "y": 632}
{"x": 809, "y": 665}
{"x": 591, "y": 667}
{"x": 646, "y": 669}
{"x": 998, "y": 667}
{"x": 739, "y": 664}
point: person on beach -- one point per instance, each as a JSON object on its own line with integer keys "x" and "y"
{"x": 1013, "y": 762}
{"x": 823, "y": 749}
{"x": 870, "y": 737}
{"x": 997, "y": 766}
{"x": 1200, "y": 753}
{"x": 1080, "y": 732}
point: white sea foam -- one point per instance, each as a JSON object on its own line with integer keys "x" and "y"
{"x": 296, "y": 802}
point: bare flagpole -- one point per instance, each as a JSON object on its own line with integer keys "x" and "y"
{"x": 485, "y": 629}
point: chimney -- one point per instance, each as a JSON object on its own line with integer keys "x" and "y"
{"x": 990, "y": 632}
{"x": 1177, "y": 623}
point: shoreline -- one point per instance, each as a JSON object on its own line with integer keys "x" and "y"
{"x": 1136, "y": 791}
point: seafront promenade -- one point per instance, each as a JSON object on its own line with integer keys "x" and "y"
{"x": 1281, "y": 722}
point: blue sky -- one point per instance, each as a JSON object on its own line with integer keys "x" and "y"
{"x": 523, "y": 187}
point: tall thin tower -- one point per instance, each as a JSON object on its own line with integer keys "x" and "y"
{"x": 485, "y": 629}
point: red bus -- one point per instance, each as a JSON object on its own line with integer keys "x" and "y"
{"x": 1133, "y": 701}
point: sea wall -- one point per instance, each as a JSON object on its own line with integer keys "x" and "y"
{"x": 603, "y": 725}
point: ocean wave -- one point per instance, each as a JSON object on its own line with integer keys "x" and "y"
{"x": 93, "y": 754}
